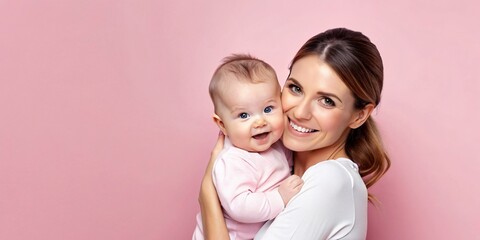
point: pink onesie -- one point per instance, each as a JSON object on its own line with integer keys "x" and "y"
{"x": 246, "y": 184}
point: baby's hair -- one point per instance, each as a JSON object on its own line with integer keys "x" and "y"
{"x": 240, "y": 68}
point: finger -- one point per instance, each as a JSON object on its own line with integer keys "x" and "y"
{"x": 297, "y": 188}
{"x": 218, "y": 145}
{"x": 296, "y": 182}
{"x": 220, "y": 140}
{"x": 294, "y": 178}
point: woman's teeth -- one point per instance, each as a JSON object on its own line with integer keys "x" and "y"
{"x": 300, "y": 129}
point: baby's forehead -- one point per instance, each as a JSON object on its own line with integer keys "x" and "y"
{"x": 235, "y": 82}
{"x": 250, "y": 92}
{"x": 250, "y": 88}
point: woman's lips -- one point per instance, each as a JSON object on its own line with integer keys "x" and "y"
{"x": 300, "y": 128}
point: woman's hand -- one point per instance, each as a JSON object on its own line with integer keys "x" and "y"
{"x": 216, "y": 150}
{"x": 214, "y": 226}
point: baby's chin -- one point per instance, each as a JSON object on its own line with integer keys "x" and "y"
{"x": 257, "y": 148}
{"x": 265, "y": 147}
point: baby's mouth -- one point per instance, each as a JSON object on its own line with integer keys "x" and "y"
{"x": 260, "y": 136}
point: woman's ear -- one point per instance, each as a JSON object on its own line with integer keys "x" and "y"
{"x": 361, "y": 116}
{"x": 219, "y": 123}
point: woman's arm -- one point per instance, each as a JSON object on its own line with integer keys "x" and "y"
{"x": 214, "y": 226}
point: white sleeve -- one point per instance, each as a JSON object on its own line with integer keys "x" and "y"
{"x": 324, "y": 207}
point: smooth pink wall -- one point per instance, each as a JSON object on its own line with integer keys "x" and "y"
{"x": 105, "y": 123}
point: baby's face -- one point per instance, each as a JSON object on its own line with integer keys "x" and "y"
{"x": 252, "y": 115}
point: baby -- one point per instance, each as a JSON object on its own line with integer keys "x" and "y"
{"x": 250, "y": 171}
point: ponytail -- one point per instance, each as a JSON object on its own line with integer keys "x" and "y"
{"x": 364, "y": 146}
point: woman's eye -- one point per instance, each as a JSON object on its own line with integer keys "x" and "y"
{"x": 243, "y": 115}
{"x": 268, "y": 109}
{"x": 294, "y": 88}
{"x": 328, "y": 102}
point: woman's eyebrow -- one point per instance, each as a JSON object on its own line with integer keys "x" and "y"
{"x": 320, "y": 93}
{"x": 294, "y": 81}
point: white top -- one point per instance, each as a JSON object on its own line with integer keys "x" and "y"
{"x": 331, "y": 205}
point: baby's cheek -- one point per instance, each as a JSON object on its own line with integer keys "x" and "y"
{"x": 280, "y": 124}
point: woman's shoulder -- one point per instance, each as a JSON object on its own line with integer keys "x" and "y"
{"x": 340, "y": 172}
{"x": 340, "y": 165}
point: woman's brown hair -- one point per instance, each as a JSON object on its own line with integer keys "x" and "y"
{"x": 358, "y": 63}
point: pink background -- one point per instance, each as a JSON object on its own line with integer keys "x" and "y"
{"x": 105, "y": 124}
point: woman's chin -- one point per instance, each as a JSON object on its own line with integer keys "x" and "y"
{"x": 294, "y": 145}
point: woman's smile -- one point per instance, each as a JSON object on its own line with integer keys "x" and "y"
{"x": 301, "y": 129}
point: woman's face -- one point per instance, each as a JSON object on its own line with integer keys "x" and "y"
{"x": 318, "y": 106}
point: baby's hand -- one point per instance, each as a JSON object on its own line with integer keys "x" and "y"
{"x": 289, "y": 187}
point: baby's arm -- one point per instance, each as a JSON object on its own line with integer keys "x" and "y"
{"x": 236, "y": 182}
{"x": 293, "y": 184}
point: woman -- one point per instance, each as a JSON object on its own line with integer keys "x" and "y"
{"x": 335, "y": 83}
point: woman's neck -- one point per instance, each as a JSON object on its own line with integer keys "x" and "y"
{"x": 304, "y": 160}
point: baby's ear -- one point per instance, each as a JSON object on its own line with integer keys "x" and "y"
{"x": 219, "y": 123}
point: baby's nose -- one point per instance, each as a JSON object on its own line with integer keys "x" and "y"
{"x": 260, "y": 122}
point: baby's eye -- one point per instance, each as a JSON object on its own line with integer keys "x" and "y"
{"x": 328, "y": 102}
{"x": 268, "y": 109}
{"x": 294, "y": 88}
{"x": 243, "y": 115}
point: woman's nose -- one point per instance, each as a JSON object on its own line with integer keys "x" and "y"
{"x": 302, "y": 110}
